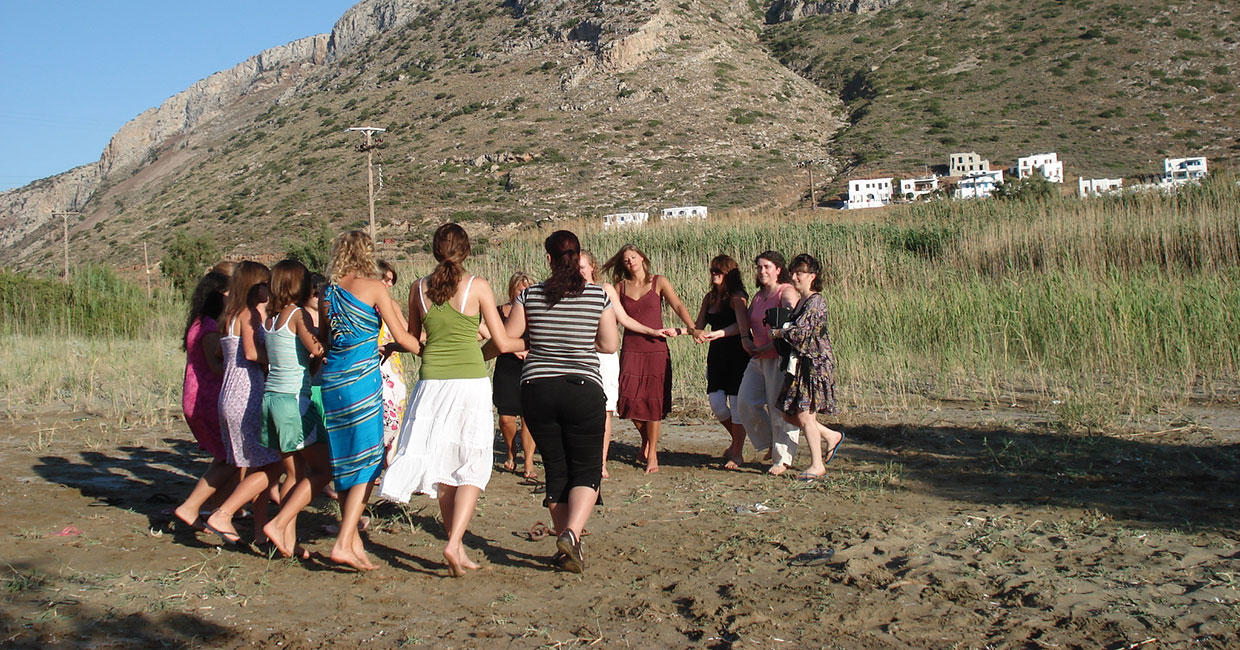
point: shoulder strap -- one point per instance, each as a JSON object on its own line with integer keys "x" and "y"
{"x": 465, "y": 296}
{"x": 422, "y": 294}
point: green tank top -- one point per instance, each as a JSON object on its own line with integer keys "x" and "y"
{"x": 288, "y": 360}
{"x": 452, "y": 350}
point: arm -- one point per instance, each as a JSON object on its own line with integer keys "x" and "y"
{"x": 741, "y": 324}
{"x": 390, "y": 314}
{"x": 303, "y": 328}
{"x": 623, "y": 319}
{"x": 500, "y": 342}
{"x": 668, "y": 293}
{"x": 700, "y": 323}
{"x": 607, "y": 340}
{"x": 254, "y": 351}
{"x": 325, "y": 328}
{"x": 210, "y": 345}
{"x": 806, "y": 327}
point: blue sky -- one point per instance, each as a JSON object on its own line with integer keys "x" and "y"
{"x": 72, "y": 72}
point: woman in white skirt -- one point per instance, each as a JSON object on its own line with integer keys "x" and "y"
{"x": 609, "y": 362}
{"x": 444, "y": 448}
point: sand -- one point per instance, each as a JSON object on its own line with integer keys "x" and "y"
{"x": 960, "y": 527}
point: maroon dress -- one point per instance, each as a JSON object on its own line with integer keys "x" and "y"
{"x": 645, "y": 364}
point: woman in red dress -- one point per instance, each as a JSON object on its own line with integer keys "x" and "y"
{"x": 645, "y": 365}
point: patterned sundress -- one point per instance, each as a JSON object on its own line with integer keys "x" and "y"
{"x": 812, "y": 388}
{"x": 352, "y": 389}
{"x": 394, "y": 392}
{"x": 241, "y": 405}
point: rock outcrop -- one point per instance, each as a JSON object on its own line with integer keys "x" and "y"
{"x": 785, "y": 10}
{"x": 364, "y": 20}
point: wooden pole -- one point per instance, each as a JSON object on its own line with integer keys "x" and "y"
{"x": 65, "y": 217}
{"x": 370, "y": 184}
{"x": 146, "y": 265}
{"x": 813, "y": 202}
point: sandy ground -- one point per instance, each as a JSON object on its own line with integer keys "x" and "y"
{"x": 955, "y": 527}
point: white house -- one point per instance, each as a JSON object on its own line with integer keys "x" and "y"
{"x": 1098, "y": 186}
{"x": 1046, "y": 164}
{"x": 624, "y": 219}
{"x": 869, "y": 193}
{"x": 979, "y": 185}
{"x": 966, "y": 163}
{"x": 1182, "y": 170}
{"x": 685, "y": 212}
{"x": 915, "y": 188}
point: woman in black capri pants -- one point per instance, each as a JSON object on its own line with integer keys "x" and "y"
{"x": 567, "y": 321}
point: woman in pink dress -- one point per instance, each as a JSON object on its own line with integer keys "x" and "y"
{"x": 200, "y": 396}
{"x": 645, "y": 364}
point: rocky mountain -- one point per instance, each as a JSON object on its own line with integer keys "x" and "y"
{"x": 501, "y": 114}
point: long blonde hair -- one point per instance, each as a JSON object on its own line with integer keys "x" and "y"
{"x": 615, "y": 265}
{"x": 353, "y": 253}
{"x": 588, "y": 256}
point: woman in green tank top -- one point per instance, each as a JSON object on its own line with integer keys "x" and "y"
{"x": 444, "y": 445}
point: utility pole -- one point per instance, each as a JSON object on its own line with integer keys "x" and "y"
{"x": 813, "y": 202}
{"x": 146, "y": 266}
{"x": 369, "y": 147}
{"x": 65, "y": 218}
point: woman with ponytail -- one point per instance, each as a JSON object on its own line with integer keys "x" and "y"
{"x": 444, "y": 447}
{"x": 353, "y": 305}
{"x": 568, "y": 322}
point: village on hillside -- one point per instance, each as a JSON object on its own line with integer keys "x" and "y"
{"x": 969, "y": 176}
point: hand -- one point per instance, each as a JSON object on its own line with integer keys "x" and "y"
{"x": 699, "y": 336}
{"x": 712, "y": 335}
{"x": 521, "y": 355}
{"x": 386, "y": 351}
{"x": 777, "y": 333}
{"x": 748, "y": 346}
{"x": 668, "y": 332}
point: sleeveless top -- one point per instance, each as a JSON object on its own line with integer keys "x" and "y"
{"x": 757, "y": 311}
{"x": 647, "y": 310}
{"x": 288, "y": 369}
{"x": 452, "y": 350}
{"x": 726, "y": 359}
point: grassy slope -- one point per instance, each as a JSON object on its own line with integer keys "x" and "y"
{"x": 1112, "y": 87}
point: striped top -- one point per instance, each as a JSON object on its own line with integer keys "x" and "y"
{"x": 288, "y": 361}
{"x": 562, "y": 336}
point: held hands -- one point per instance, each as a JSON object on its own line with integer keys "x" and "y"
{"x": 708, "y": 336}
{"x": 668, "y": 332}
{"x": 387, "y": 350}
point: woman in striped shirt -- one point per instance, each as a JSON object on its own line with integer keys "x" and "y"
{"x": 568, "y": 322}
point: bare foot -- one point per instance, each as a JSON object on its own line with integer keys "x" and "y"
{"x": 360, "y": 553}
{"x": 776, "y": 470}
{"x": 456, "y": 568}
{"x": 606, "y": 474}
{"x": 279, "y": 537}
{"x": 468, "y": 563}
{"x": 189, "y": 517}
{"x": 734, "y": 462}
{"x": 347, "y": 558}
{"x": 652, "y": 467}
{"x": 530, "y": 474}
{"x": 510, "y": 465}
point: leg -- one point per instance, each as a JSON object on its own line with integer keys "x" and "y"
{"x": 348, "y": 548}
{"x": 527, "y": 451}
{"x": 294, "y": 470}
{"x": 652, "y": 457}
{"x": 251, "y": 490}
{"x": 508, "y": 429}
{"x": 644, "y": 454}
{"x": 751, "y": 406}
{"x": 606, "y": 441}
{"x": 457, "y": 506}
{"x": 218, "y": 474}
{"x": 282, "y": 530}
{"x": 784, "y": 435}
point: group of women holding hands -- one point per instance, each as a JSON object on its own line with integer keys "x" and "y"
{"x": 290, "y": 383}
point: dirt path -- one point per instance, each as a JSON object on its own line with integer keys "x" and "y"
{"x": 948, "y": 528}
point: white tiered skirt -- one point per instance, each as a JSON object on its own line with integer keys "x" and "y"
{"x": 446, "y": 437}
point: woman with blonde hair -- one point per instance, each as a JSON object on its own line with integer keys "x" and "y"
{"x": 445, "y": 444}
{"x": 354, "y": 304}
{"x": 609, "y": 362}
{"x": 645, "y": 363}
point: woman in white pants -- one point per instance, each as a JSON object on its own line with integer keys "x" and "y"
{"x": 758, "y": 397}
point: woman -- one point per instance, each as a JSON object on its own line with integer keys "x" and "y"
{"x": 393, "y": 371}
{"x": 200, "y": 397}
{"x": 241, "y": 393}
{"x": 809, "y": 384}
{"x": 724, "y": 309}
{"x": 568, "y": 322}
{"x": 757, "y": 399}
{"x": 445, "y": 444}
{"x": 507, "y": 389}
{"x": 351, "y": 310}
{"x": 609, "y": 363}
{"x": 645, "y": 364}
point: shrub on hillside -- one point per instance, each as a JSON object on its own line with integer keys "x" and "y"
{"x": 314, "y": 250}
{"x": 187, "y": 258}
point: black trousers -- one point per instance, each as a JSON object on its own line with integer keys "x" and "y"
{"x": 566, "y": 419}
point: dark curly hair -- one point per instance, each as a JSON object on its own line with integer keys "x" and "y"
{"x": 806, "y": 263}
{"x": 207, "y": 301}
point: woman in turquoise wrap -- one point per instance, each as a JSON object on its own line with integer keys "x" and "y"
{"x": 354, "y": 304}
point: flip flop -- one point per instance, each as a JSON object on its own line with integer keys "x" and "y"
{"x": 538, "y": 531}
{"x": 806, "y": 477}
{"x": 228, "y": 541}
{"x": 813, "y": 557}
{"x": 831, "y": 456}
